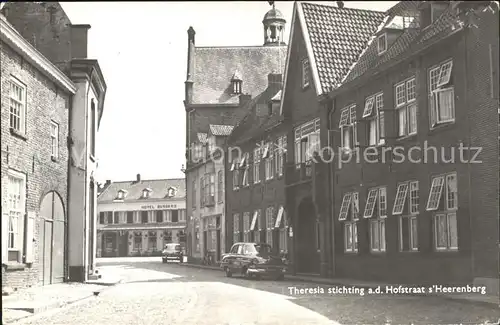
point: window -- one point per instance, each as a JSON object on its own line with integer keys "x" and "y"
{"x": 146, "y": 193}
{"x": 269, "y": 161}
{"x": 246, "y": 226}
{"x": 116, "y": 217}
{"x": 167, "y": 236}
{"x": 17, "y": 209}
{"x": 348, "y": 127}
{"x": 269, "y": 225}
{"x": 406, "y": 106}
{"x": 244, "y": 165}
{"x": 54, "y": 139}
{"x": 159, "y": 216}
{"x": 208, "y": 182}
{"x": 382, "y": 43}
{"x": 349, "y": 214}
{"x": 197, "y": 151}
{"x": 93, "y": 131}
{"x": 17, "y": 106}
{"x": 374, "y": 106}
{"x": 442, "y": 94}
{"x": 445, "y": 231}
{"x": 202, "y": 191}
{"x": 212, "y": 144}
{"x": 109, "y": 217}
{"x": 121, "y": 195}
{"x": 130, "y": 217}
{"x": 102, "y": 218}
{"x": 236, "y": 86}
{"x": 137, "y": 241}
{"x": 175, "y": 215}
{"x": 236, "y": 228}
{"x": 152, "y": 240}
{"x": 193, "y": 194}
{"x": 435, "y": 200}
{"x": 279, "y": 154}
{"x": 256, "y": 164}
{"x": 144, "y": 217}
{"x": 236, "y": 178}
{"x": 220, "y": 186}
{"x": 406, "y": 206}
{"x": 306, "y": 141}
{"x": 305, "y": 73}
{"x": 377, "y": 198}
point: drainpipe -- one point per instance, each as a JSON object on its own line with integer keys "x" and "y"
{"x": 68, "y": 191}
{"x": 331, "y": 192}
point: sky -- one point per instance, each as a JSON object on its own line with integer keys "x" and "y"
{"x": 142, "y": 51}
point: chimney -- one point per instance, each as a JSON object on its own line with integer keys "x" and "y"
{"x": 245, "y": 99}
{"x": 108, "y": 182}
{"x": 5, "y": 11}
{"x": 190, "y": 66}
{"x": 274, "y": 82}
{"x": 340, "y": 4}
{"x": 138, "y": 178}
{"x": 79, "y": 41}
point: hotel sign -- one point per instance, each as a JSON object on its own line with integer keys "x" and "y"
{"x": 158, "y": 206}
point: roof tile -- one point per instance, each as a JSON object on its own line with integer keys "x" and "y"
{"x": 159, "y": 189}
{"x": 215, "y": 66}
{"x": 338, "y": 35}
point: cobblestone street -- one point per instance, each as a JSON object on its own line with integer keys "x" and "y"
{"x": 156, "y": 293}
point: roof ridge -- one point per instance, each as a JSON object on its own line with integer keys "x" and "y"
{"x": 150, "y": 180}
{"x": 241, "y": 47}
{"x": 331, "y": 5}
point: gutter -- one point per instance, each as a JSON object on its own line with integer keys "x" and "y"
{"x": 69, "y": 144}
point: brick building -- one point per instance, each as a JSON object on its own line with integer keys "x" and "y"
{"x": 35, "y": 99}
{"x": 255, "y": 198}
{"x": 220, "y": 80}
{"x": 46, "y": 27}
{"x": 429, "y": 77}
{"x": 137, "y": 218}
{"x": 324, "y": 42}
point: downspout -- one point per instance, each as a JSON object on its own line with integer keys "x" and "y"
{"x": 331, "y": 193}
{"x": 68, "y": 191}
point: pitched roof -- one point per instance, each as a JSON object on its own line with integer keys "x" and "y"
{"x": 221, "y": 130}
{"x": 407, "y": 42}
{"x": 255, "y": 123}
{"x": 159, "y": 189}
{"x": 215, "y": 66}
{"x": 334, "y": 39}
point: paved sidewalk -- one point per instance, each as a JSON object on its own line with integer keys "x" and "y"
{"x": 30, "y": 301}
{"x": 473, "y": 298}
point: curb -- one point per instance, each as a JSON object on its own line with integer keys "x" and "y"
{"x": 38, "y": 310}
{"x": 365, "y": 286}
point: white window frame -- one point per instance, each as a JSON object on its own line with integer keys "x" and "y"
{"x": 308, "y": 131}
{"x": 269, "y": 225}
{"x": 382, "y": 50}
{"x": 377, "y": 197}
{"x": 412, "y": 237}
{"x": 269, "y": 161}
{"x": 350, "y": 237}
{"x": 17, "y": 104}
{"x": 246, "y": 227}
{"x": 380, "y": 232}
{"x": 54, "y": 139}
{"x": 279, "y": 153}
{"x": 17, "y": 213}
{"x": 374, "y": 113}
{"x": 405, "y": 94}
{"x": 349, "y": 215}
{"x": 450, "y": 222}
{"x": 305, "y": 73}
{"x": 236, "y": 228}
{"x": 439, "y": 184}
{"x": 256, "y": 164}
{"x": 245, "y": 181}
{"x": 439, "y": 85}
{"x": 348, "y": 126}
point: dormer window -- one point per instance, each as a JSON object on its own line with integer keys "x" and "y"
{"x": 120, "y": 195}
{"x": 382, "y": 43}
{"x": 146, "y": 193}
{"x": 236, "y": 83}
{"x": 305, "y": 73}
{"x": 171, "y": 192}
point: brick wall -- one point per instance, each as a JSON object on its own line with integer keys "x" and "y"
{"x": 32, "y": 155}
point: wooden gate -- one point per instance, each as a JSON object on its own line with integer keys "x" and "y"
{"x": 52, "y": 234}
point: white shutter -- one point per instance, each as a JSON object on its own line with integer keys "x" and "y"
{"x": 30, "y": 235}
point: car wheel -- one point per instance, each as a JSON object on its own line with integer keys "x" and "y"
{"x": 228, "y": 272}
{"x": 247, "y": 274}
{"x": 163, "y": 260}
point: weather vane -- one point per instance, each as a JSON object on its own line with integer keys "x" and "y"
{"x": 271, "y": 3}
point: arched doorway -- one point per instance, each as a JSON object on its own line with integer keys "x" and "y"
{"x": 52, "y": 233}
{"x": 307, "y": 238}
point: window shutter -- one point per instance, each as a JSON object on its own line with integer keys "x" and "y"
{"x": 30, "y": 233}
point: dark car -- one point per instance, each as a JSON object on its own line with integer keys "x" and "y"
{"x": 172, "y": 252}
{"x": 253, "y": 260}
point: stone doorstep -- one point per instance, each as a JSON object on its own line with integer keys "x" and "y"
{"x": 478, "y": 299}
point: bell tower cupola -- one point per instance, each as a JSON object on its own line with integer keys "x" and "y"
{"x": 274, "y": 27}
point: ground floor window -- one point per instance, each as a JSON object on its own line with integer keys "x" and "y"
{"x": 408, "y": 233}
{"x": 350, "y": 237}
{"x": 236, "y": 237}
{"x": 246, "y": 236}
{"x": 138, "y": 242}
{"x": 445, "y": 231}
{"x": 256, "y": 236}
{"x": 377, "y": 235}
{"x": 108, "y": 242}
{"x": 269, "y": 237}
{"x": 283, "y": 240}
{"x": 167, "y": 236}
{"x": 152, "y": 241}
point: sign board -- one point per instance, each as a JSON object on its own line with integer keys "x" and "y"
{"x": 158, "y": 206}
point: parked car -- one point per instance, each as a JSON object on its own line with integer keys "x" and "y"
{"x": 172, "y": 252}
{"x": 253, "y": 260}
